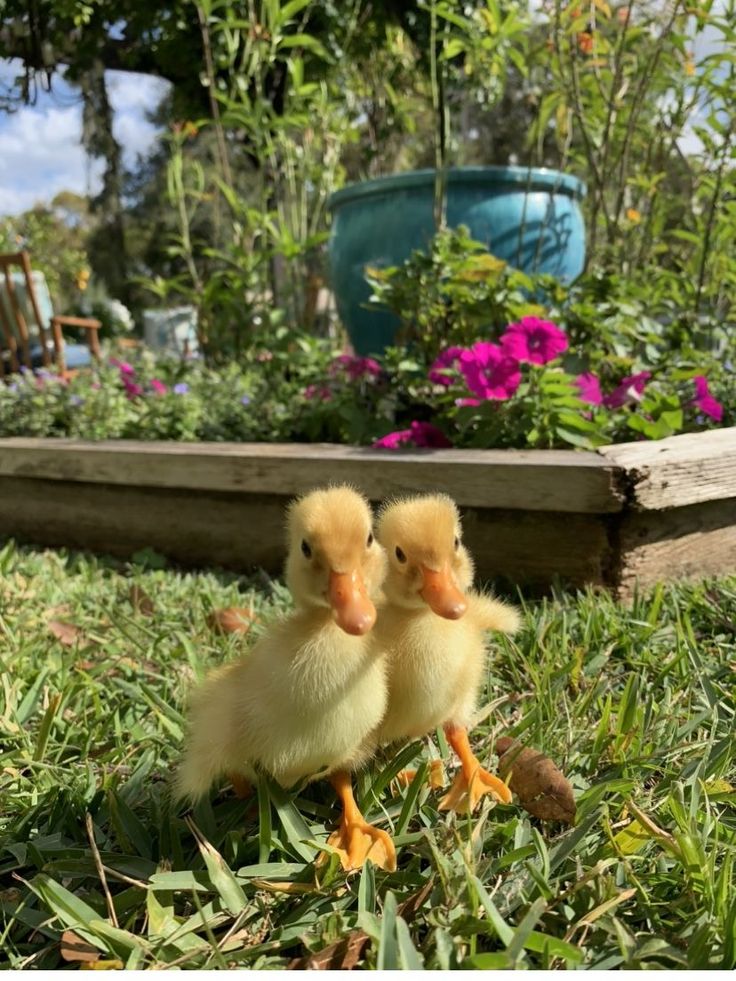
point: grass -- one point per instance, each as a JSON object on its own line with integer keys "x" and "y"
{"x": 635, "y": 704}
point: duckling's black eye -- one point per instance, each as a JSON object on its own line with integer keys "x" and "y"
{"x": 400, "y": 555}
{"x": 457, "y": 543}
{"x": 306, "y": 550}
{"x": 370, "y": 540}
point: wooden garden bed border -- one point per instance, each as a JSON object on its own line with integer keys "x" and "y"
{"x": 633, "y": 511}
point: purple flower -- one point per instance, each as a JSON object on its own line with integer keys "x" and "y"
{"x": 422, "y": 434}
{"x": 355, "y": 367}
{"x": 245, "y": 400}
{"x": 489, "y": 372}
{"x": 76, "y": 400}
{"x": 181, "y": 388}
{"x": 448, "y": 358}
{"x": 707, "y": 404}
{"x": 534, "y": 340}
{"x": 630, "y": 389}
{"x": 590, "y": 388}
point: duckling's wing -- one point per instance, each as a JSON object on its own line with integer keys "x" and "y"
{"x": 492, "y": 614}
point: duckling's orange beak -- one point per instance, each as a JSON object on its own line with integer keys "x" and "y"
{"x": 441, "y": 594}
{"x": 354, "y": 612}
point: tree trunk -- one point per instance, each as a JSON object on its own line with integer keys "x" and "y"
{"x": 108, "y": 254}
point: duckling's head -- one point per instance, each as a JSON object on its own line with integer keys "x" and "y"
{"x": 334, "y": 561}
{"x": 427, "y": 563}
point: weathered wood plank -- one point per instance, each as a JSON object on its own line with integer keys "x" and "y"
{"x": 678, "y": 471}
{"x": 683, "y": 543}
{"x": 536, "y": 480}
{"x": 245, "y": 531}
{"x": 232, "y": 530}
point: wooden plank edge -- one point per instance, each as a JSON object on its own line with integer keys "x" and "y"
{"x": 537, "y": 480}
{"x": 692, "y": 468}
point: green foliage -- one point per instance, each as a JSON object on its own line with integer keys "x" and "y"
{"x": 625, "y": 89}
{"x": 450, "y": 293}
{"x": 55, "y": 236}
{"x": 634, "y": 702}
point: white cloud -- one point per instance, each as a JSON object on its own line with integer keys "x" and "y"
{"x": 40, "y": 155}
{"x": 40, "y": 148}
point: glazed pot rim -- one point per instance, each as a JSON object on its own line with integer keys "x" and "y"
{"x": 528, "y": 178}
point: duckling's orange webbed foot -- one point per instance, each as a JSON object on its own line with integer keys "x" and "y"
{"x": 435, "y": 777}
{"x": 356, "y": 840}
{"x": 473, "y": 781}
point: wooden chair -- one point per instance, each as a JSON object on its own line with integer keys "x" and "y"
{"x": 26, "y": 316}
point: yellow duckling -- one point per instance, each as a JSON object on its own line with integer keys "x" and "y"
{"x": 432, "y": 630}
{"x": 307, "y": 699}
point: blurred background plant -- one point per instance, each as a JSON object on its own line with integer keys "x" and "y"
{"x": 281, "y": 102}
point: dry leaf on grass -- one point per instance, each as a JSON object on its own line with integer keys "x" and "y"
{"x": 66, "y": 633}
{"x": 73, "y": 948}
{"x": 232, "y": 620}
{"x": 141, "y": 601}
{"x": 540, "y": 786}
{"x": 345, "y": 954}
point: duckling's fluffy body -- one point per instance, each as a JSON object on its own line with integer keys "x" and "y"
{"x": 306, "y": 699}
{"x": 302, "y": 703}
{"x": 435, "y": 663}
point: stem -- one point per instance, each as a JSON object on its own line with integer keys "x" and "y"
{"x": 441, "y": 127}
{"x": 712, "y": 210}
{"x": 210, "y": 69}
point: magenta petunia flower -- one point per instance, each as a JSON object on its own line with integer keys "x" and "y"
{"x": 630, "y": 389}
{"x": 489, "y": 372}
{"x": 123, "y": 366}
{"x": 464, "y": 402}
{"x": 421, "y": 434}
{"x": 533, "y": 340}
{"x": 355, "y": 367}
{"x": 589, "y": 387}
{"x": 158, "y": 387}
{"x": 132, "y": 390}
{"x": 707, "y": 403}
{"x": 320, "y": 393}
{"x": 448, "y": 358}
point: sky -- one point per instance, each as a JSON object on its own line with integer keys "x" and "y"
{"x": 40, "y": 151}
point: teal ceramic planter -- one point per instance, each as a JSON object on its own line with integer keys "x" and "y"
{"x": 530, "y": 218}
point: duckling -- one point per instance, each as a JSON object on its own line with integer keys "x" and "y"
{"x": 305, "y": 701}
{"x": 431, "y": 627}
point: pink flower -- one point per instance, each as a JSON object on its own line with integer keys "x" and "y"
{"x": 158, "y": 387}
{"x": 629, "y": 390}
{"x": 534, "y": 340}
{"x": 422, "y": 434}
{"x": 446, "y": 359}
{"x": 319, "y": 392}
{"x": 132, "y": 390}
{"x": 463, "y": 402}
{"x": 707, "y": 404}
{"x": 489, "y": 372}
{"x": 590, "y": 388}
{"x": 355, "y": 367}
{"x": 123, "y": 366}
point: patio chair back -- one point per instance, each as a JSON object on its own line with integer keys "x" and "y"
{"x": 25, "y": 313}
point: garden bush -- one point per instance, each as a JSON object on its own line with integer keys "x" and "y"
{"x": 490, "y": 358}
